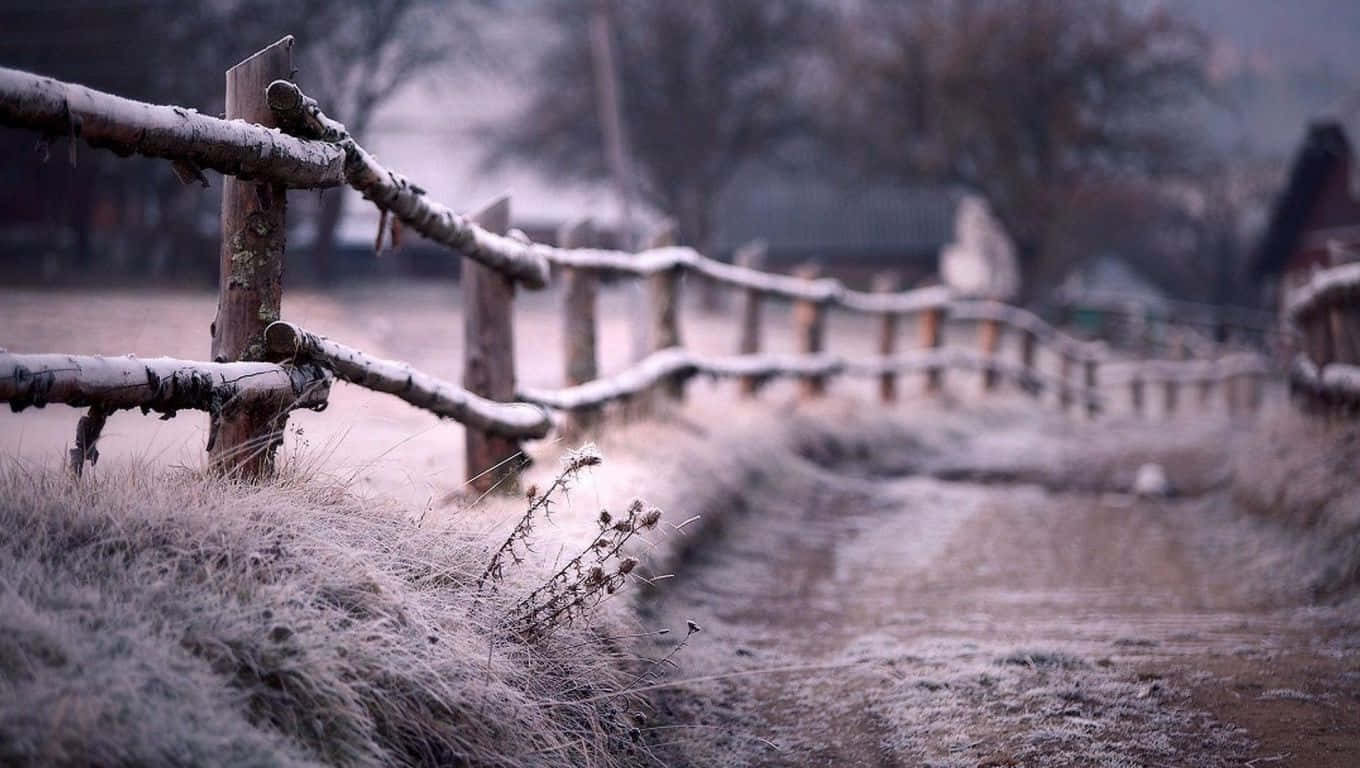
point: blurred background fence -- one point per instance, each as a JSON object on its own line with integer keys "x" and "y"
{"x": 274, "y": 138}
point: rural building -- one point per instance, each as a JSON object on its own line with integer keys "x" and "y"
{"x": 1316, "y": 219}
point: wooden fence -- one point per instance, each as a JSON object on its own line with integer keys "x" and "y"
{"x": 275, "y": 137}
{"x": 1326, "y": 312}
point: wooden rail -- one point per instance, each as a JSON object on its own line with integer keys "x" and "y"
{"x": 1325, "y": 310}
{"x": 309, "y": 149}
{"x": 442, "y": 398}
{"x": 193, "y": 140}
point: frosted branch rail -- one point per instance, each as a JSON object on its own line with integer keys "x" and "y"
{"x": 520, "y": 420}
{"x": 126, "y": 127}
{"x": 161, "y": 384}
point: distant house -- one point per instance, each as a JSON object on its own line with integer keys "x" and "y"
{"x": 853, "y": 233}
{"x": 1106, "y": 297}
{"x": 1316, "y": 219}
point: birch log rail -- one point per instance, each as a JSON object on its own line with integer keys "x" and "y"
{"x": 516, "y": 420}
{"x": 162, "y": 384}
{"x": 676, "y": 362}
{"x": 392, "y": 192}
{"x": 192, "y": 140}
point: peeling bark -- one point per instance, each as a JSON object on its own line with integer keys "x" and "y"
{"x": 127, "y": 127}
{"x": 513, "y": 420}
{"x": 161, "y": 384}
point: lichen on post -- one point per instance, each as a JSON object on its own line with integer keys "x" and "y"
{"x": 250, "y": 288}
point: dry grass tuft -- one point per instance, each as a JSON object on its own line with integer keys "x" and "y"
{"x": 148, "y": 620}
{"x": 1298, "y": 471}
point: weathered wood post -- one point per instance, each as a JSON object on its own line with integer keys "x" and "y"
{"x": 579, "y": 291}
{"x": 1206, "y": 386}
{"x": 1345, "y": 332}
{"x": 664, "y": 289}
{"x": 750, "y": 256}
{"x": 932, "y": 338}
{"x": 1065, "y": 373}
{"x": 809, "y": 320}
{"x": 887, "y": 282}
{"x": 1092, "y": 405}
{"x": 1231, "y": 392}
{"x": 989, "y": 338}
{"x": 1136, "y": 398}
{"x": 489, "y": 355}
{"x": 1171, "y": 386}
{"x": 250, "y": 285}
{"x": 1029, "y": 348}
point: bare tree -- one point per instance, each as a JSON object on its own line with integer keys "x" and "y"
{"x": 704, "y": 86}
{"x": 1031, "y": 102}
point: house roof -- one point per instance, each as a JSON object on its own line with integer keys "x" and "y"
{"x": 1108, "y": 280}
{"x": 797, "y": 213}
{"x": 1325, "y": 146}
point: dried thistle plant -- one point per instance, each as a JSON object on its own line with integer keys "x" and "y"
{"x": 596, "y": 572}
{"x": 517, "y": 543}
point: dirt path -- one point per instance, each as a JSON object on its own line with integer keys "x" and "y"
{"x": 963, "y": 624}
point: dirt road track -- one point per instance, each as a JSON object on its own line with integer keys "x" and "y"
{"x": 1002, "y": 624}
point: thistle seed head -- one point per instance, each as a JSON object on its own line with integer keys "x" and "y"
{"x": 627, "y": 564}
{"x": 585, "y": 456}
{"x": 650, "y": 519}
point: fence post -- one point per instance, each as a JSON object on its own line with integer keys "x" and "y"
{"x": 887, "y": 282}
{"x": 989, "y": 338}
{"x": 1092, "y": 407}
{"x": 1171, "y": 387}
{"x": 750, "y": 256}
{"x": 1065, "y": 374}
{"x": 809, "y": 319}
{"x": 1231, "y": 392}
{"x": 580, "y": 287}
{"x": 932, "y": 337}
{"x": 250, "y": 285}
{"x": 1029, "y": 346}
{"x": 1136, "y": 392}
{"x": 489, "y": 355}
{"x": 664, "y": 288}
{"x": 1345, "y": 322}
{"x": 1206, "y": 388}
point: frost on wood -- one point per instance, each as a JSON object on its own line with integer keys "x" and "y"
{"x": 1332, "y": 382}
{"x": 675, "y": 362}
{"x": 1323, "y": 287}
{"x": 1029, "y": 322}
{"x": 392, "y": 192}
{"x": 194, "y": 141}
{"x": 162, "y": 384}
{"x": 419, "y": 389}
